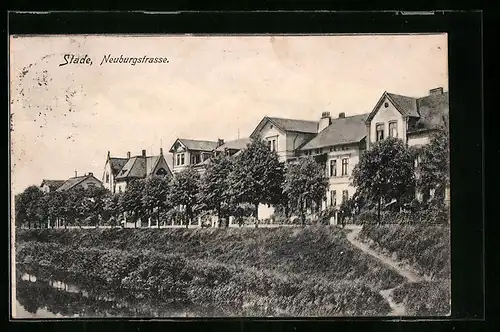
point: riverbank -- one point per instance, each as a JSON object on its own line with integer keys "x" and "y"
{"x": 311, "y": 271}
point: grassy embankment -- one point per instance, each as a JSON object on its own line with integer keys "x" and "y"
{"x": 311, "y": 271}
{"x": 426, "y": 249}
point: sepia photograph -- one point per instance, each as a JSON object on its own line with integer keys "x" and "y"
{"x": 164, "y": 176}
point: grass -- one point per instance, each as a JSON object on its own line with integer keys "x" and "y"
{"x": 426, "y": 248}
{"x": 426, "y": 298}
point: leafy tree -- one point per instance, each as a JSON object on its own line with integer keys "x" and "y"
{"x": 27, "y": 205}
{"x": 131, "y": 199}
{"x": 111, "y": 208}
{"x": 384, "y": 172}
{"x": 156, "y": 196}
{"x": 305, "y": 181}
{"x": 257, "y": 176}
{"x": 214, "y": 186}
{"x": 433, "y": 167}
{"x": 185, "y": 188}
{"x": 55, "y": 207}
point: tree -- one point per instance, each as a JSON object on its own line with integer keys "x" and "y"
{"x": 131, "y": 199}
{"x": 384, "y": 172}
{"x": 156, "y": 196}
{"x": 214, "y": 186}
{"x": 433, "y": 168}
{"x": 257, "y": 176}
{"x": 111, "y": 208}
{"x": 27, "y": 205}
{"x": 305, "y": 181}
{"x": 185, "y": 188}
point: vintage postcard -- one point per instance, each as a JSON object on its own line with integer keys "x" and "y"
{"x": 229, "y": 176}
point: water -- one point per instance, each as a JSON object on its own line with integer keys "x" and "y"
{"x": 44, "y": 296}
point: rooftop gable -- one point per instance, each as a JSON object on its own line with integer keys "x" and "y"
{"x": 407, "y": 106}
{"x": 196, "y": 145}
{"x": 288, "y": 125}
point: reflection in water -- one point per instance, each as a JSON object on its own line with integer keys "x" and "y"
{"x": 41, "y": 297}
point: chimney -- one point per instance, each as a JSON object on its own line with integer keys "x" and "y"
{"x": 109, "y": 154}
{"x": 436, "y": 91}
{"x": 220, "y": 142}
{"x": 144, "y": 153}
{"x": 128, "y": 155}
{"x": 76, "y": 173}
{"x": 325, "y": 121}
{"x": 341, "y": 115}
{"x": 91, "y": 174}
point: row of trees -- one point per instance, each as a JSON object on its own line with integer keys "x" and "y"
{"x": 237, "y": 185}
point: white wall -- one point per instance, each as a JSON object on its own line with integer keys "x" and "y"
{"x": 268, "y": 132}
{"x": 187, "y": 159}
{"x": 384, "y": 115}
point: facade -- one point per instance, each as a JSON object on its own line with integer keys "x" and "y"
{"x": 85, "y": 181}
{"x": 48, "y": 186}
{"x": 337, "y": 143}
{"x": 118, "y": 172}
{"x": 195, "y": 153}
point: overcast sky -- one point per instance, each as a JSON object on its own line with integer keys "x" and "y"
{"x": 66, "y": 118}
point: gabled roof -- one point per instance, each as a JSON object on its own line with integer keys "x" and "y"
{"x": 74, "y": 181}
{"x": 117, "y": 164}
{"x": 234, "y": 145}
{"x": 407, "y": 106}
{"x": 52, "y": 184}
{"x": 351, "y": 129}
{"x": 288, "y": 125}
{"x": 197, "y": 145}
{"x": 139, "y": 167}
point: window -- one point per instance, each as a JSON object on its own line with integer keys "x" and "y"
{"x": 393, "y": 129}
{"x": 380, "y": 131}
{"x": 119, "y": 189}
{"x": 182, "y": 159}
{"x": 333, "y": 167}
{"x": 345, "y": 163}
{"x": 269, "y": 145}
{"x": 178, "y": 159}
{"x": 195, "y": 159}
{"x": 386, "y": 104}
{"x": 274, "y": 145}
{"x": 345, "y": 196}
{"x": 161, "y": 171}
{"x": 333, "y": 197}
{"x": 107, "y": 177}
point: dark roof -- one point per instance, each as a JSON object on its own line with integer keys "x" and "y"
{"x": 74, "y": 181}
{"x": 291, "y": 125}
{"x": 406, "y": 105}
{"x": 351, "y": 129}
{"x": 138, "y": 167}
{"x": 52, "y": 184}
{"x": 434, "y": 112}
{"x": 234, "y": 145}
{"x": 117, "y": 164}
{"x": 302, "y": 126}
{"x": 197, "y": 145}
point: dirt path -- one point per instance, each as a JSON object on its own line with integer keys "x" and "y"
{"x": 397, "y": 308}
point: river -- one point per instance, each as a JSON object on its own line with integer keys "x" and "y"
{"x": 39, "y": 296}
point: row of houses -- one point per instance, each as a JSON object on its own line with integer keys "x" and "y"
{"x": 337, "y": 141}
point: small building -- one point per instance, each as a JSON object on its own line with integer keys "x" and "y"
{"x": 190, "y": 152}
{"x": 85, "y": 181}
{"x": 118, "y": 172}
{"x": 50, "y": 185}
